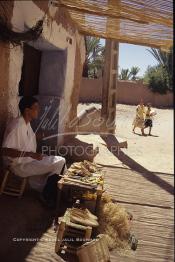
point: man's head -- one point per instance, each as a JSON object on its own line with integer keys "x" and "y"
{"x": 29, "y": 107}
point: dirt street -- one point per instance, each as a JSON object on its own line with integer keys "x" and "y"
{"x": 154, "y": 153}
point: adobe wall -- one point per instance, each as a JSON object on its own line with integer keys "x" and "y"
{"x": 68, "y": 105}
{"x": 131, "y": 92}
{"x": 5, "y": 92}
{"x": 61, "y": 33}
{"x": 128, "y": 92}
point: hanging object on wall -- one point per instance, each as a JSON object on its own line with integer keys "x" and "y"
{"x": 7, "y": 35}
{"x": 54, "y": 3}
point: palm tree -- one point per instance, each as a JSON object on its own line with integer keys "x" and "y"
{"x": 94, "y": 56}
{"x": 125, "y": 74}
{"x": 165, "y": 60}
{"x": 133, "y": 72}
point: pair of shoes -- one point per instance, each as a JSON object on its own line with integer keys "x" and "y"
{"x": 85, "y": 222}
{"x": 83, "y": 217}
{"x": 84, "y": 212}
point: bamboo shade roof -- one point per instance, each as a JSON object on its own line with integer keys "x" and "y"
{"x": 143, "y": 22}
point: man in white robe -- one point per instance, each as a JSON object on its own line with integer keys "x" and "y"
{"x": 19, "y": 152}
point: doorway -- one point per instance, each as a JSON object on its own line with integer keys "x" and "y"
{"x": 29, "y": 83}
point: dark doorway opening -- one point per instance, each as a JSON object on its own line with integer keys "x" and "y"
{"x": 29, "y": 83}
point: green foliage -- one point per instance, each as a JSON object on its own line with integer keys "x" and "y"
{"x": 160, "y": 78}
{"x": 124, "y": 75}
{"x": 127, "y": 74}
{"x": 156, "y": 78}
{"x": 94, "y": 60}
{"x": 133, "y": 72}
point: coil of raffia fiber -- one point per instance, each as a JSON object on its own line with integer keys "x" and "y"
{"x": 114, "y": 222}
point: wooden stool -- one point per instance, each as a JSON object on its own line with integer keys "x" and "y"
{"x": 13, "y": 185}
{"x": 68, "y": 230}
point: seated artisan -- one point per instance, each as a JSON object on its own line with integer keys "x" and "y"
{"x": 19, "y": 151}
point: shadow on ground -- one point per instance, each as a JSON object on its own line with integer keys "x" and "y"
{"x": 22, "y": 219}
{"x": 112, "y": 141}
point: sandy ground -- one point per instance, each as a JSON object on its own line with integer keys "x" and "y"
{"x": 154, "y": 153}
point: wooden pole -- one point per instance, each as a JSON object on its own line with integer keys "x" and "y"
{"x": 109, "y": 89}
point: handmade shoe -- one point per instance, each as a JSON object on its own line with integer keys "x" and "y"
{"x": 90, "y": 215}
{"x": 86, "y": 222}
{"x": 85, "y": 213}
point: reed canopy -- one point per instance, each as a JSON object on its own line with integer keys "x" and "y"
{"x": 142, "y": 22}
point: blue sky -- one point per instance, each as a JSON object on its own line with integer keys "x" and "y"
{"x": 134, "y": 55}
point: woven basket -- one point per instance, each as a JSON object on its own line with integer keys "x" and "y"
{"x": 95, "y": 250}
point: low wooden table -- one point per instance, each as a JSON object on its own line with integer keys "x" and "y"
{"x": 83, "y": 188}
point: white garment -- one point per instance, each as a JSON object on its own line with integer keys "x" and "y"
{"x": 20, "y": 136}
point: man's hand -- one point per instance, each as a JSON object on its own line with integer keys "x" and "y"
{"x": 36, "y": 156}
{"x": 11, "y": 152}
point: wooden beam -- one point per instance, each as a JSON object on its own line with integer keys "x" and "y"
{"x": 109, "y": 89}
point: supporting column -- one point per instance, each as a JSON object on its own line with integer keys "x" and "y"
{"x": 110, "y": 86}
